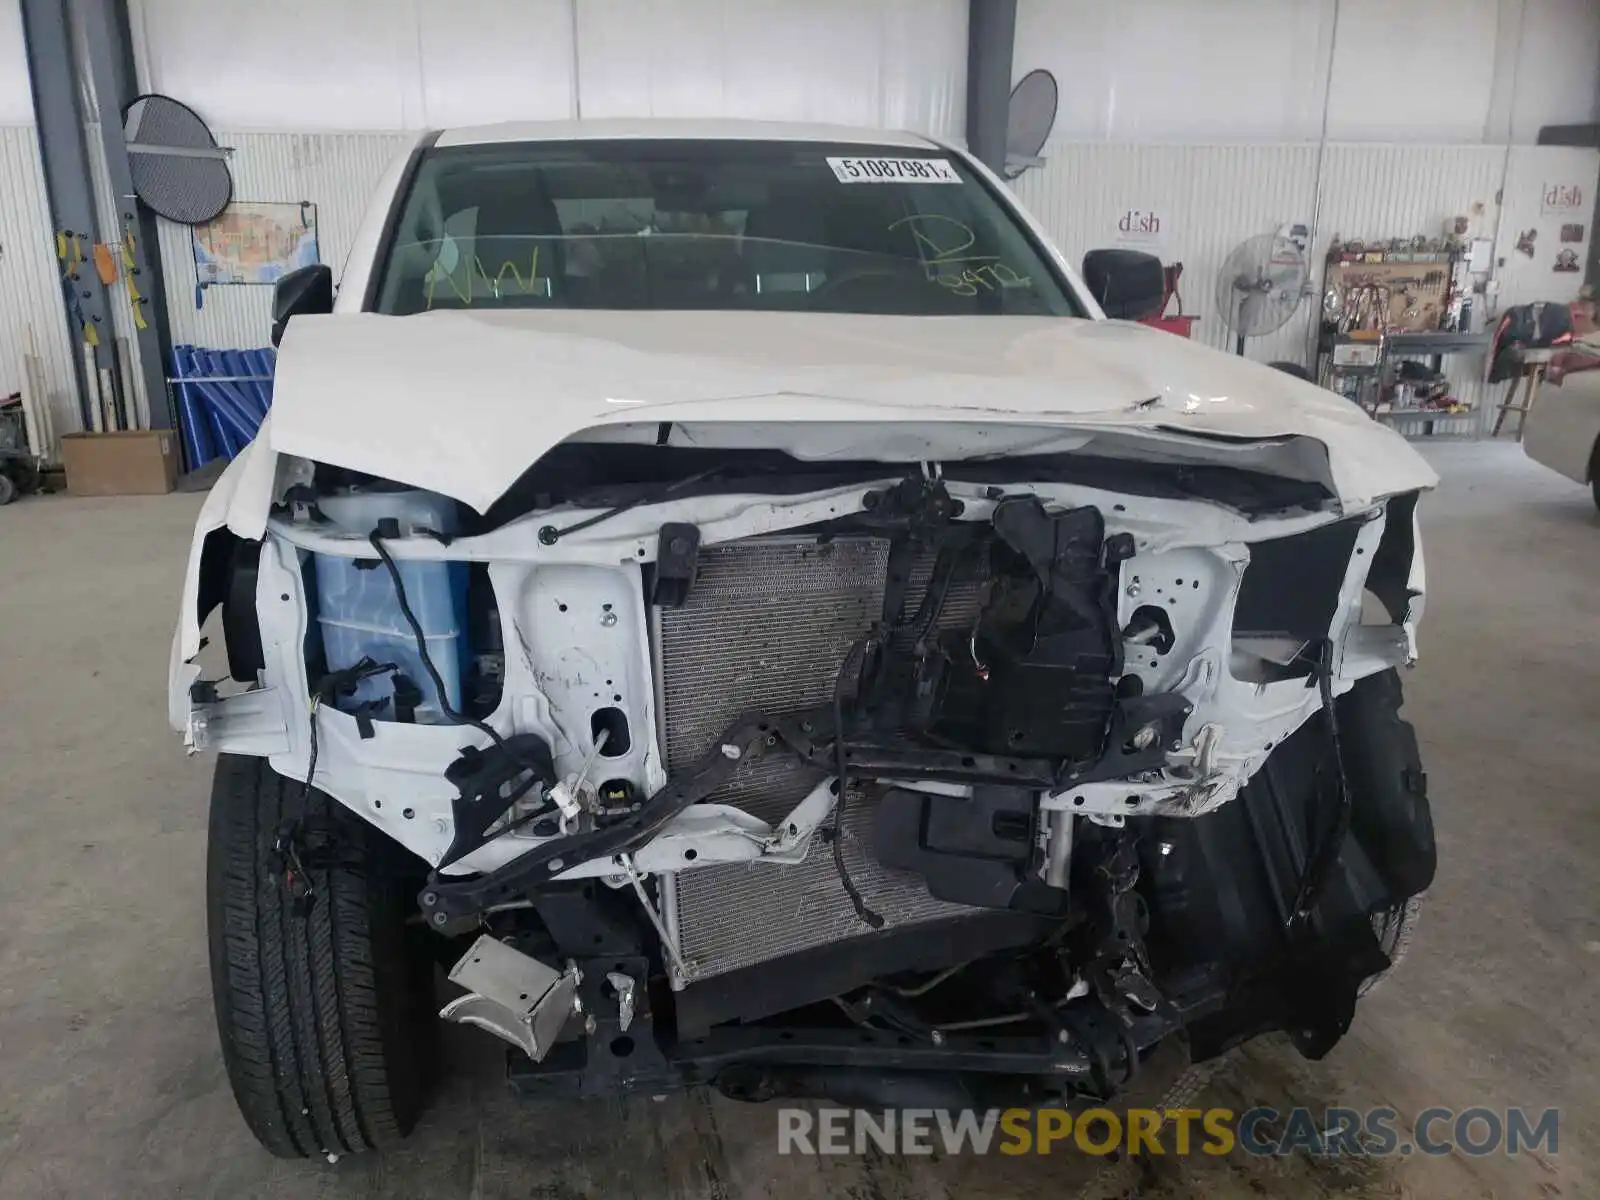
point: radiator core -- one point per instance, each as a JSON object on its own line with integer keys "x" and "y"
{"x": 766, "y": 627}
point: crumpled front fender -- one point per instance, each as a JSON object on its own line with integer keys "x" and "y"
{"x": 239, "y": 502}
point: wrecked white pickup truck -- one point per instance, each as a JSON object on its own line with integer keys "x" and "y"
{"x": 728, "y": 594}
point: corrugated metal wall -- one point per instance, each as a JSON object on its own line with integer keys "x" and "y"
{"x": 335, "y": 171}
{"x": 30, "y": 280}
{"x": 1210, "y": 198}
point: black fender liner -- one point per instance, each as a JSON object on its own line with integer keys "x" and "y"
{"x": 1389, "y": 815}
{"x": 1221, "y": 888}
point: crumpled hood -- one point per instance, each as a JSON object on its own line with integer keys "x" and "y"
{"x": 463, "y": 403}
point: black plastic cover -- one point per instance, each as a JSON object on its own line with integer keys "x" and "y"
{"x": 677, "y": 562}
{"x": 975, "y": 851}
{"x": 490, "y": 780}
{"x": 1034, "y": 677}
{"x": 1221, "y": 888}
{"x": 1291, "y": 587}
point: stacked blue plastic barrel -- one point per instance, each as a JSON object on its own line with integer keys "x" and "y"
{"x": 222, "y": 397}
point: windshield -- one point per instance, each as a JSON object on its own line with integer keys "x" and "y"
{"x": 780, "y": 226}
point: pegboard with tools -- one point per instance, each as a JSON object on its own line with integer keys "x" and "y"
{"x": 1379, "y": 294}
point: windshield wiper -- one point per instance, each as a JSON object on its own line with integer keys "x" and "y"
{"x": 549, "y": 535}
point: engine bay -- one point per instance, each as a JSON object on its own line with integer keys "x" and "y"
{"x": 913, "y": 758}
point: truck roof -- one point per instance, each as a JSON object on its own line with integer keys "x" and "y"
{"x": 713, "y": 129}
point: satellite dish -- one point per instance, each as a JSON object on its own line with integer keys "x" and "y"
{"x": 178, "y": 169}
{"x": 1261, "y": 284}
{"x": 1032, "y": 116}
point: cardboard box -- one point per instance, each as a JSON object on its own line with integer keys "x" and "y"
{"x": 140, "y": 462}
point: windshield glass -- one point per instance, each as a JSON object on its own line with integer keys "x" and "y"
{"x": 640, "y": 224}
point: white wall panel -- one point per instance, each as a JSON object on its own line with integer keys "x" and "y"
{"x": 1418, "y": 71}
{"x": 1531, "y": 169}
{"x": 1139, "y": 70}
{"x": 358, "y": 64}
{"x": 1175, "y": 70}
{"x": 1373, "y": 192}
{"x": 409, "y": 64}
{"x": 493, "y": 60}
{"x": 337, "y": 172}
{"x": 1559, "y": 50}
{"x": 900, "y": 63}
{"x": 30, "y": 280}
{"x": 1210, "y": 199}
{"x": 1415, "y": 72}
{"x": 16, "y": 101}
{"x": 292, "y": 64}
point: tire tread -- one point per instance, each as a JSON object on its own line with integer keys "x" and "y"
{"x": 324, "y": 1044}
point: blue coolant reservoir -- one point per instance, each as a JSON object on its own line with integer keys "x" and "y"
{"x": 359, "y": 612}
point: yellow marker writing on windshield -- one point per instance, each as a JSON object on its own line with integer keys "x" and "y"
{"x": 524, "y": 286}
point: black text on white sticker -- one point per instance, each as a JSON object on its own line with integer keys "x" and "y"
{"x": 894, "y": 170}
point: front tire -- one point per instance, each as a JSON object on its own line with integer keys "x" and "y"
{"x": 326, "y": 1021}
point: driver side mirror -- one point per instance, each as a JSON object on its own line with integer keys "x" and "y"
{"x": 306, "y": 290}
{"x": 1126, "y": 283}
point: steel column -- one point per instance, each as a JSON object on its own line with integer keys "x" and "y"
{"x": 991, "y": 35}
{"x": 59, "y": 122}
{"x": 111, "y": 70}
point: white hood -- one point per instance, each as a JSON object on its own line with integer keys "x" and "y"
{"x": 463, "y": 403}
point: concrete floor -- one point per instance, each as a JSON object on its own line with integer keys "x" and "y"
{"x": 111, "y": 1083}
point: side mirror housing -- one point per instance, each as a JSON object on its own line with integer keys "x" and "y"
{"x": 1126, "y": 283}
{"x": 306, "y": 290}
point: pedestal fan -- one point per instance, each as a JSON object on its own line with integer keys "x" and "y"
{"x": 1261, "y": 284}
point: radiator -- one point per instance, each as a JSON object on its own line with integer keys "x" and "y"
{"x": 766, "y": 627}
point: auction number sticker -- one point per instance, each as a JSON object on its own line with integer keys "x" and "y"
{"x": 894, "y": 170}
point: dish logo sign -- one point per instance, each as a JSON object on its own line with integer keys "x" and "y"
{"x": 1562, "y": 198}
{"x": 1141, "y": 227}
